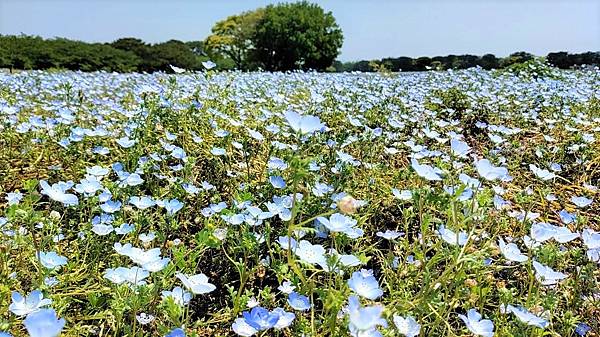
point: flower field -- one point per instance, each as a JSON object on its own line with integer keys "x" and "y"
{"x": 456, "y": 203}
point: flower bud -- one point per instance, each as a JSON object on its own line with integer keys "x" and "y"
{"x": 348, "y": 205}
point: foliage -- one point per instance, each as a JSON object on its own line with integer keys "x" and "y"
{"x": 304, "y": 203}
{"x": 233, "y": 38}
{"x": 296, "y": 36}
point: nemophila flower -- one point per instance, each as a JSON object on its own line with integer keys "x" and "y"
{"x": 22, "y": 306}
{"x": 365, "y": 284}
{"x": 298, "y": 302}
{"x": 147, "y": 237}
{"x": 402, "y": 195}
{"x": 97, "y": 171}
{"x": 546, "y": 275}
{"x": 102, "y": 229}
{"x": 142, "y": 202}
{"x": 111, "y": 206}
{"x": 337, "y": 223}
{"x": 541, "y": 173}
{"x": 426, "y": 171}
{"x": 581, "y": 202}
{"x": 542, "y": 231}
{"x": 478, "y": 326}
{"x": 242, "y": 328}
{"x": 582, "y": 329}
{"x": 490, "y": 172}
{"x": 252, "y": 302}
{"x": 144, "y": 318}
{"x": 389, "y": 234}
{"x": 51, "y": 260}
{"x": 44, "y": 323}
{"x": 57, "y": 192}
{"x": 459, "y": 148}
{"x": 511, "y": 251}
{"x": 217, "y": 151}
{"x": 303, "y": 124}
{"x": 591, "y": 239}
{"x": 286, "y": 287}
{"x": 285, "y": 318}
{"x": 198, "y": 284}
{"x": 124, "y": 229}
{"x": 150, "y": 260}
{"x": 13, "y": 198}
{"x": 125, "y": 142}
{"x": 177, "y": 332}
{"x": 567, "y": 217}
{"x": 277, "y": 182}
{"x": 130, "y": 179}
{"x": 527, "y": 317}
{"x": 50, "y": 281}
{"x": 133, "y": 276}
{"x": 407, "y": 326}
{"x": 321, "y": 189}
{"x": 171, "y": 206}
{"x": 101, "y": 150}
{"x": 362, "y": 320}
{"x": 260, "y": 318}
{"x": 309, "y": 253}
{"x": 452, "y": 237}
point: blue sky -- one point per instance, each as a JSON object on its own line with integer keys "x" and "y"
{"x": 372, "y": 29}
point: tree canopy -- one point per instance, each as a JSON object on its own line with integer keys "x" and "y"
{"x": 297, "y": 36}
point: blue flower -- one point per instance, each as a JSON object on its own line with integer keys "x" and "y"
{"x": 277, "y": 182}
{"x": 582, "y": 329}
{"x": 198, "y": 284}
{"x": 111, "y": 206}
{"x": 338, "y": 223}
{"x": 459, "y": 148}
{"x": 44, "y": 323}
{"x": 426, "y": 171}
{"x": 407, "y": 326}
{"x": 142, "y": 202}
{"x": 179, "y": 296}
{"x": 303, "y": 124}
{"x": 491, "y": 172}
{"x": 51, "y": 260}
{"x": 365, "y": 284}
{"x": 389, "y": 234}
{"x": 172, "y": 206}
{"x": 546, "y": 275}
{"x": 363, "y": 319}
{"x": 285, "y": 318}
{"x": 581, "y": 202}
{"x": 527, "y": 317}
{"x": 511, "y": 251}
{"x": 478, "y": 326}
{"x": 451, "y": 237}
{"x": 177, "y": 332}
{"x": 242, "y": 328}
{"x": 298, "y": 302}
{"x": 260, "y": 318}
{"x": 566, "y": 217}
{"x": 22, "y": 306}
{"x": 57, "y": 192}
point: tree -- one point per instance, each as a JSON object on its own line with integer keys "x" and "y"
{"x": 489, "y": 61}
{"x": 518, "y": 57}
{"x": 232, "y": 38}
{"x": 296, "y": 36}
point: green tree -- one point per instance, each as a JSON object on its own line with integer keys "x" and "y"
{"x": 232, "y": 39}
{"x": 296, "y": 36}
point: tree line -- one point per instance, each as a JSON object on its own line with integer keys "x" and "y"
{"x": 278, "y": 37}
{"x": 562, "y": 60}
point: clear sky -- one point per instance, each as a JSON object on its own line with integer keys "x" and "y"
{"x": 372, "y": 29}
